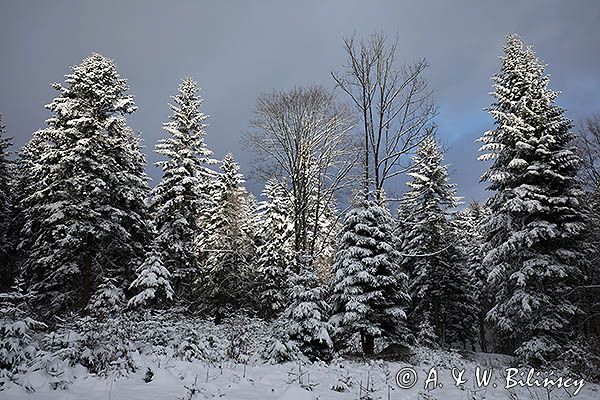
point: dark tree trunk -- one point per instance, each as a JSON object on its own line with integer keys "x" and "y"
{"x": 482, "y": 341}
{"x": 368, "y": 344}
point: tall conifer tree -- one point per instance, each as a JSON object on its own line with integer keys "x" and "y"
{"x": 468, "y": 226}
{"x": 224, "y": 279}
{"x": 370, "y": 294}
{"x": 440, "y": 312}
{"x": 180, "y": 202}
{"x": 532, "y": 237}
{"x": 275, "y": 254}
{"x": 84, "y": 187}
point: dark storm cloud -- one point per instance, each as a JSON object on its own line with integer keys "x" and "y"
{"x": 236, "y": 50}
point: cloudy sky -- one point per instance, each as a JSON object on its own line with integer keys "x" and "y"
{"x": 238, "y": 49}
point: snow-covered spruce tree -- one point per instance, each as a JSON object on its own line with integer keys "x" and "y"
{"x": 441, "y": 309}
{"x": 7, "y": 268}
{"x": 468, "y": 225}
{"x": 17, "y": 344}
{"x": 26, "y": 174}
{"x": 532, "y": 237}
{"x": 100, "y": 340}
{"x": 179, "y": 201}
{"x": 223, "y": 280}
{"x": 107, "y": 301}
{"x": 369, "y": 290}
{"x": 85, "y": 187}
{"x": 152, "y": 283}
{"x": 275, "y": 254}
{"x": 306, "y": 317}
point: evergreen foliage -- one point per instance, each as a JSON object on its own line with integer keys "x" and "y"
{"x": 441, "y": 309}
{"x": 84, "y": 187}
{"x": 369, "y": 289}
{"x": 224, "y": 279}
{"x": 307, "y": 316}
{"x": 18, "y": 344}
{"x": 180, "y": 201}
{"x": 275, "y": 254}
{"x": 152, "y": 283}
{"x": 469, "y": 231}
{"x": 534, "y": 252}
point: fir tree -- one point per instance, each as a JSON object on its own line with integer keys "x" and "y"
{"x": 152, "y": 283}
{"x": 84, "y": 187}
{"x": 180, "y": 201}
{"x": 369, "y": 290}
{"x": 440, "y": 310}
{"x": 223, "y": 281}
{"x": 275, "y": 254}
{"x": 17, "y": 329}
{"x": 26, "y": 175}
{"x": 7, "y": 271}
{"x": 108, "y": 301}
{"x": 468, "y": 225}
{"x": 536, "y": 221}
{"x": 306, "y": 317}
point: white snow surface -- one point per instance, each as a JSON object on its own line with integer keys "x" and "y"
{"x": 341, "y": 379}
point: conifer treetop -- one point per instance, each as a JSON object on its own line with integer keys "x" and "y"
{"x": 187, "y": 130}
{"x": 94, "y": 84}
{"x": 527, "y": 122}
{"x": 429, "y": 186}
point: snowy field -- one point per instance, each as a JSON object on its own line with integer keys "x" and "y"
{"x": 343, "y": 379}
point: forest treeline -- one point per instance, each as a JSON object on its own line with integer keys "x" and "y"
{"x": 83, "y": 235}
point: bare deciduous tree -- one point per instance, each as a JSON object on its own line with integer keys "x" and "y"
{"x": 395, "y": 106}
{"x": 304, "y": 136}
{"x": 588, "y": 142}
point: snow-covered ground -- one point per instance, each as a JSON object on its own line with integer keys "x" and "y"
{"x": 342, "y": 379}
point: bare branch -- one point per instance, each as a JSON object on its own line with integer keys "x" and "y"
{"x": 394, "y": 103}
{"x": 303, "y": 136}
